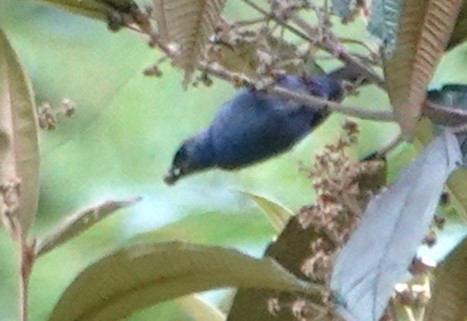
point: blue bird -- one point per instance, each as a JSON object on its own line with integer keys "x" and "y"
{"x": 253, "y": 127}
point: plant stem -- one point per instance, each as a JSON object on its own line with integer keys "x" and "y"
{"x": 26, "y": 259}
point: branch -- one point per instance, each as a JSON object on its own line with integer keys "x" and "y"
{"x": 308, "y": 100}
{"x": 338, "y": 51}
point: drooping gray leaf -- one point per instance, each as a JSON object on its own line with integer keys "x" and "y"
{"x": 383, "y": 23}
{"x": 382, "y": 247}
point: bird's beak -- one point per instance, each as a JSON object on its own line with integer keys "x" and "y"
{"x": 172, "y": 176}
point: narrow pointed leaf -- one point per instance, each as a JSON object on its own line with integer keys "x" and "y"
{"x": 95, "y": 9}
{"x": 146, "y": 274}
{"x": 78, "y": 223}
{"x": 449, "y": 299}
{"x": 379, "y": 252}
{"x": 199, "y": 309}
{"x": 19, "y": 149}
{"x": 423, "y": 33}
{"x": 187, "y": 23}
{"x": 276, "y": 213}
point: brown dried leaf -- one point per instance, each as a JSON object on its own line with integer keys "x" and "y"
{"x": 19, "y": 148}
{"x": 188, "y": 23}
{"x": 424, "y": 31}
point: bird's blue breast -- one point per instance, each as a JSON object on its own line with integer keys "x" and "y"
{"x": 254, "y": 126}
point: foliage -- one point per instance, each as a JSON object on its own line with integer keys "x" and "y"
{"x": 341, "y": 257}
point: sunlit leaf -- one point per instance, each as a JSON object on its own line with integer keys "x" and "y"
{"x": 79, "y": 222}
{"x": 423, "y": 33}
{"x": 449, "y": 298}
{"x": 276, "y": 213}
{"x": 379, "y": 252}
{"x": 146, "y": 274}
{"x": 199, "y": 309}
{"x": 187, "y": 23}
{"x": 96, "y": 9}
{"x": 19, "y": 150}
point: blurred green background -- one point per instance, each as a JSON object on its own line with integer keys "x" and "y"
{"x": 122, "y": 139}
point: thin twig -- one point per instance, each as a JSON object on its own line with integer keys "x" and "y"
{"x": 308, "y": 100}
{"x": 26, "y": 260}
{"x": 339, "y": 52}
{"x": 292, "y": 29}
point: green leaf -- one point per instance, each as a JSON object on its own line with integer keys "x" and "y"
{"x": 146, "y": 274}
{"x": 79, "y": 222}
{"x": 19, "y": 148}
{"x": 199, "y": 309}
{"x": 449, "y": 298}
{"x": 276, "y": 213}
{"x": 96, "y": 9}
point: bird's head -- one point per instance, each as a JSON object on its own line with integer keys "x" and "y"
{"x": 192, "y": 156}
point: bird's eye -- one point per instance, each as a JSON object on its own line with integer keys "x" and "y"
{"x": 180, "y": 156}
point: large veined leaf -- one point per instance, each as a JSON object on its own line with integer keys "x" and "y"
{"x": 188, "y": 24}
{"x": 381, "y": 249}
{"x": 146, "y": 274}
{"x": 96, "y": 9}
{"x": 423, "y": 33}
{"x": 449, "y": 299}
{"x": 79, "y": 222}
{"x": 19, "y": 149}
